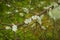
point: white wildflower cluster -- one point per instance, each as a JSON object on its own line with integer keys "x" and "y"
{"x": 26, "y": 10}
{"x": 8, "y": 5}
{"x": 35, "y": 17}
{"x": 21, "y": 14}
{"x": 39, "y": 19}
{"x": 27, "y": 21}
{"x": 14, "y": 27}
{"x": 30, "y": 19}
{"x": 7, "y": 27}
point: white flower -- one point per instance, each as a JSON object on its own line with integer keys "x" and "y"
{"x": 43, "y": 27}
{"x": 34, "y": 17}
{"x": 7, "y": 27}
{"x": 14, "y": 27}
{"x": 26, "y": 10}
{"x": 16, "y": 11}
{"x": 27, "y": 21}
{"x": 41, "y": 16}
{"x": 21, "y": 14}
{"x": 39, "y": 20}
{"x": 8, "y": 5}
